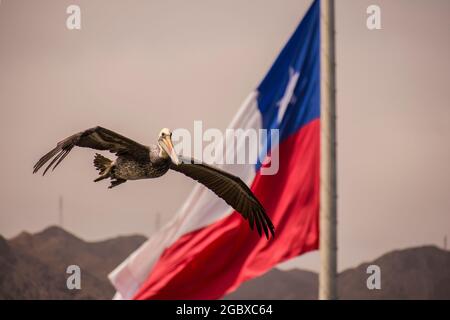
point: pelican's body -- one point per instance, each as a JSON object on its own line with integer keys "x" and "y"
{"x": 130, "y": 169}
{"x": 126, "y": 167}
{"x": 136, "y": 161}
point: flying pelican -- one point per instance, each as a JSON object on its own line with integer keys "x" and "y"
{"x": 136, "y": 161}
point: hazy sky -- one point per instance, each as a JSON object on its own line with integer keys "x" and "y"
{"x": 138, "y": 66}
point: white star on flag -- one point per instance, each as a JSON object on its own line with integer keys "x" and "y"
{"x": 288, "y": 95}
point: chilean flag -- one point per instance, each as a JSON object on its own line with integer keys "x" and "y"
{"x": 208, "y": 250}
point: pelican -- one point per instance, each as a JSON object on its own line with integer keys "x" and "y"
{"x": 136, "y": 161}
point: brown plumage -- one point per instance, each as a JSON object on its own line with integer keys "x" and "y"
{"x": 136, "y": 161}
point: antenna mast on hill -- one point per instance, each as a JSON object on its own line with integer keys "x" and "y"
{"x": 157, "y": 222}
{"x": 60, "y": 211}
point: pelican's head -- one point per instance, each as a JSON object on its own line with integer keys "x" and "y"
{"x": 165, "y": 142}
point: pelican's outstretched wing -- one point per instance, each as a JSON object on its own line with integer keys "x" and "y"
{"x": 95, "y": 138}
{"x": 231, "y": 189}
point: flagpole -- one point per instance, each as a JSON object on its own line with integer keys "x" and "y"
{"x": 328, "y": 195}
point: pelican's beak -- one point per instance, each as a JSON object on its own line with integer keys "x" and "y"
{"x": 167, "y": 145}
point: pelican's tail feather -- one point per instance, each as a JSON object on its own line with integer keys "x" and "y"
{"x": 104, "y": 165}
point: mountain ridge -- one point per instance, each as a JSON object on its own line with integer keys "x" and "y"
{"x": 33, "y": 266}
{"x": 41, "y": 259}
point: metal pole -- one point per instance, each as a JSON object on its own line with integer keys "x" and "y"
{"x": 328, "y": 245}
